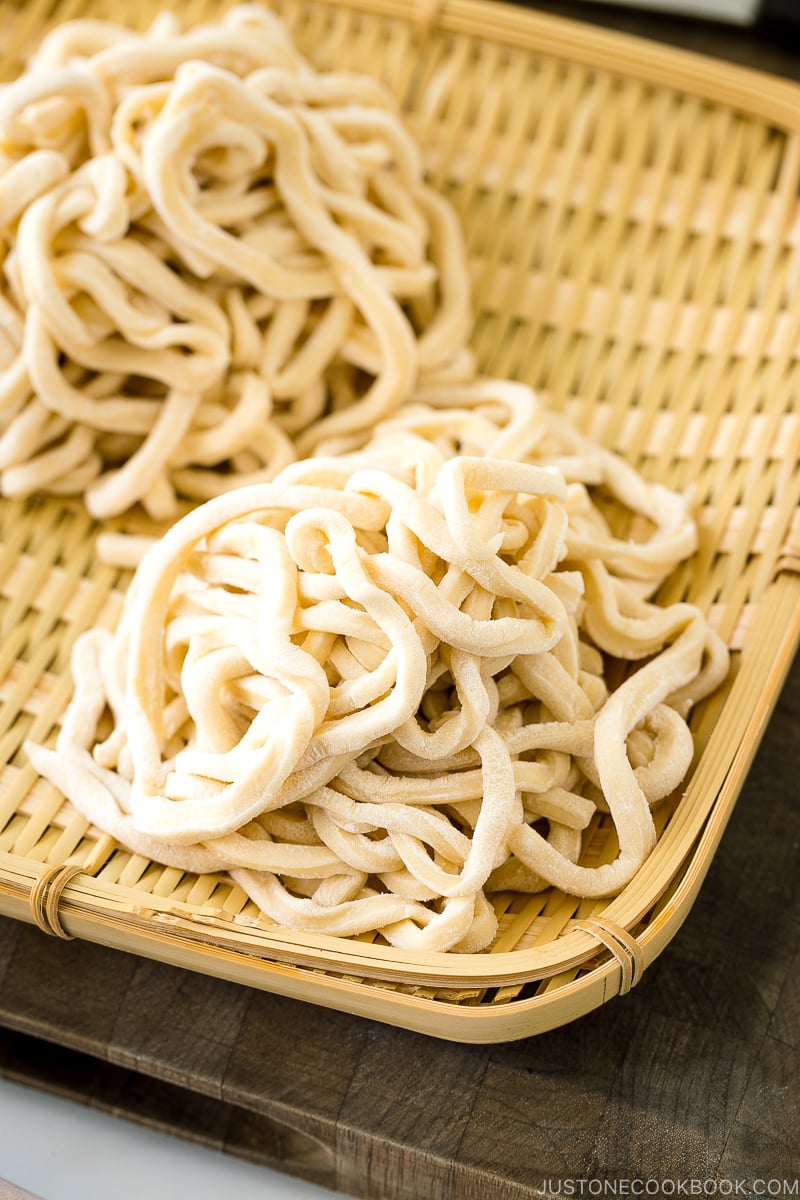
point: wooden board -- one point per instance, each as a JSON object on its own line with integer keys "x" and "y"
{"x": 694, "y": 1074}
{"x": 9, "y": 1192}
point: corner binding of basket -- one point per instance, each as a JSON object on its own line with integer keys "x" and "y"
{"x": 45, "y": 897}
{"x": 621, "y": 944}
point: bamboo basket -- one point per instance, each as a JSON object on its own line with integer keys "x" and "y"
{"x": 633, "y": 223}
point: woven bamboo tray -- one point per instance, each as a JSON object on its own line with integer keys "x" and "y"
{"x": 633, "y": 222}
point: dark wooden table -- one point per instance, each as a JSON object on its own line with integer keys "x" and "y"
{"x": 690, "y": 1082}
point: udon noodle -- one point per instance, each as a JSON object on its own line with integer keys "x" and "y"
{"x": 213, "y": 256}
{"x": 374, "y": 689}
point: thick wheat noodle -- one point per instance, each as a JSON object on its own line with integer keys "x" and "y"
{"x": 182, "y": 210}
{"x": 360, "y": 687}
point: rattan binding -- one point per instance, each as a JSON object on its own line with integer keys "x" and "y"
{"x": 622, "y": 946}
{"x": 45, "y": 898}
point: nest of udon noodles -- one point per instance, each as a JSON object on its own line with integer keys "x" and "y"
{"x": 374, "y": 689}
{"x": 213, "y": 256}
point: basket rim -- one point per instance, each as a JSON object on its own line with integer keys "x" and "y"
{"x": 758, "y": 94}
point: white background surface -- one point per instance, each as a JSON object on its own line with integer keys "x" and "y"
{"x": 60, "y": 1150}
{"x": 739, "y": 11}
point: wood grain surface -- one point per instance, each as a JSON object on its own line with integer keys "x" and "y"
{"x": 8, "y": 1191}
{"x": 694, "y": 1075}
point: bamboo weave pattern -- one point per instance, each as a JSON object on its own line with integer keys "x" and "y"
{"x": 635, "y": 252}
